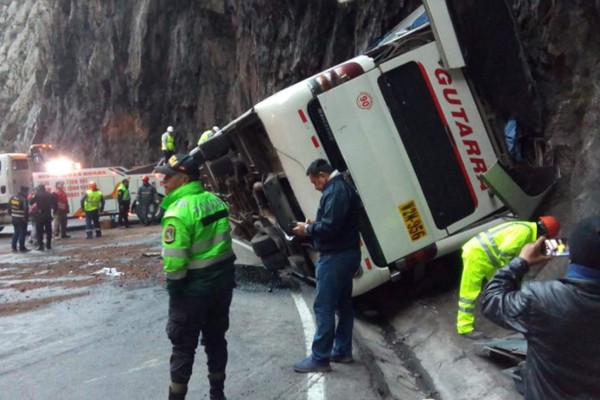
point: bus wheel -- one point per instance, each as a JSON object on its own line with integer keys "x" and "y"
{"x": 275, "y": 261}
{"x": 216, "y": 147}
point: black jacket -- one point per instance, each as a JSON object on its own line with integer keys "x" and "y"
{"x": 336, "y": 227}
{"x": 561, "y": 321}
{"x": 46, "y": 202}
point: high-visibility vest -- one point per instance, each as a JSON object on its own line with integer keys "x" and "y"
{"x": 206, "y": 135}
{"x": 93, "y": 199}
{"x": 503, "y": 242}
{"x": 17, "y": 207}
{"x": 125, "y": 196}
{"x": 167, "y": 142}
{"x": 196, "y": 234}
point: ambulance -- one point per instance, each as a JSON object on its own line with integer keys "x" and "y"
{"x": 45, "y": 165}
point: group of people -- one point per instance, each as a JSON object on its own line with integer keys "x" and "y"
{"x": 558, "y": 317}
{"x": 198, "y": 261}
{"x": 40, "y": 207}
{"x": 167, "y": 141}
{"x": 93, "y": 203}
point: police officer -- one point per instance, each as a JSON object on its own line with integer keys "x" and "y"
{"x": 92, "y": 204}
{"x": 487, "y": 252}
{"x": 198, "y": 261}
{"x": 124, "y": 200}
{"x": 18, "y": 209}
{"x": 145, "y": 197}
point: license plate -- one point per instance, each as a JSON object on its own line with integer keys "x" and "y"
{"x": 412, "y": 220}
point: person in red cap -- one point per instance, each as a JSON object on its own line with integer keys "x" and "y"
{"x": 559, "y": 318}
{"x": 487, "y": 252}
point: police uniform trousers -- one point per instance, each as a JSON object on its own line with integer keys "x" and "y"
{"x": 190, "y": 316}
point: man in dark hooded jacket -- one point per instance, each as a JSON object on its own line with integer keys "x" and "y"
{"x": 559, "y": 318}
{"x": 45, "y": 202}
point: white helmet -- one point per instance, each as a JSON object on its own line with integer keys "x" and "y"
{"x": 170, "y": 129}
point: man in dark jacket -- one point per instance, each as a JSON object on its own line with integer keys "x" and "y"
{"x": 145, "y": 198}
{"x": 335, "y": 235}
{"x": 558, "y": 318}
{"x": 45, "y": 202}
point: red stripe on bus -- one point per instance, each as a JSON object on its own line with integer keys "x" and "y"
{"x": 449, "y": 132}
{"x": 302, "y": 116}
{"x": 315, "y": 141}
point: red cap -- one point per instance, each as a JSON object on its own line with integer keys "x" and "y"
{"x": 551, "y": 224}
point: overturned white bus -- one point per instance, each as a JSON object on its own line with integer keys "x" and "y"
{"x": 406, "y": 125}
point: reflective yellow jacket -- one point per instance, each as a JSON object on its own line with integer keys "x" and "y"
{"x": 196, "y": 241}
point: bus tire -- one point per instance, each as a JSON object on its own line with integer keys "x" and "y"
{"x": 221, "y": 167}
{"x": 216, "y": 146}
{"x": 275, "y": 261}
{"x": 263, "y": 245}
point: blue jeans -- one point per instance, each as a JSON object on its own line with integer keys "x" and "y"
{"x": 334, "y": 296}
{"x": 20, "y": 231}
{"x": 92, "y": 221}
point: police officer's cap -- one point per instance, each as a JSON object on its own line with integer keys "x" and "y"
{"x": 179, "y": 164}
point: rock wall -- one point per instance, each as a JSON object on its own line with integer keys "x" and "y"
{"x": 563, "y": 44}
{"x": 103, "y": 78}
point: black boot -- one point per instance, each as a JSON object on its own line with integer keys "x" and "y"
{"x": 217, "y": 385}
{"x": 177, "y": 395}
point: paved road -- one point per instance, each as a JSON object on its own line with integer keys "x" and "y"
{"x": 111, "y": 344}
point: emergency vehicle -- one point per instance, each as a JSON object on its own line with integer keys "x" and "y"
{"x": 44, "y": 165}
{"x": 409, "y": 129}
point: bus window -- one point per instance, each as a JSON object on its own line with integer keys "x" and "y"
{"x": 428, "y": 144}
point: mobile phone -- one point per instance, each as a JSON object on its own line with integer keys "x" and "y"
{"x": 292, "y": 224}
{"x": 558, "y": 247}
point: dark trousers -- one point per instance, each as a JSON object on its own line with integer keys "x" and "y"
{"x": 43, "y": 226}
{"x": 20, "y": 231}
{"x": 92, "y": 221}
{"x": 124, "y": 213}
{"x": 188, "y": 317}
{"x": 142, "y": 211}
{"x": 167, "y": 154}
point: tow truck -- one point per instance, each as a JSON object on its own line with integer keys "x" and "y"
{"x": 45, "y": 165}
{"x": 415, "y": 125}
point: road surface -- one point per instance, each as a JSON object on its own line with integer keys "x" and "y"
{"x": 86, "y": 321}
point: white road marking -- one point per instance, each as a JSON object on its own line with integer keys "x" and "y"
{"x": 316, "y": 381}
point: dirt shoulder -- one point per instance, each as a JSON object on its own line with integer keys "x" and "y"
{"x": 75, "y": 265}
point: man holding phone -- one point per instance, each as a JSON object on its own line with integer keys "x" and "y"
{"x": 558, "y": 318}
{"x": 487, "y": 252}
{"x": 335, "y": 234}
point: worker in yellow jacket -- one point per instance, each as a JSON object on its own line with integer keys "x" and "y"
{"x": 489, "y": 251}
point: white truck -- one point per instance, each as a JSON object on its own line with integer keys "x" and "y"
{"x": 44, "y": 165}
{"x": 409, "y": 129}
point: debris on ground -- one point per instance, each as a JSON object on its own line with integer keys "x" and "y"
{"x": 35, "y": 279}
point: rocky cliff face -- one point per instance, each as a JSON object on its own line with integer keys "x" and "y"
{"x": 103, "y": 78}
